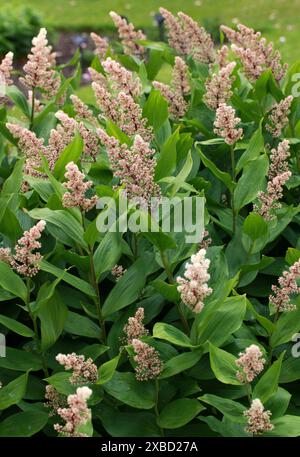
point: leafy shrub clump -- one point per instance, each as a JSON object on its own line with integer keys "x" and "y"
{"x": 128, "y": 332}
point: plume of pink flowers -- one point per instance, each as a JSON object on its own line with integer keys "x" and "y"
{"x": 180, "y": 87}
{"x": 278, "y": 175}
{"x": 118, "y": 272}
{"x": 187, "y": 37}
{"x": 288, "y": 286}
{"x": 206, "y": 240}
{"x": 81, "y": 109}
{"x": 25, "y": 260}
{"x": 218, "y": 87}
{"x": 30, "y": 146}
{"x": 121, "y": 79}
{"x": 123, "y": 111}
{"x": 176, "y": 38}
{"x": 193, "y": 287}
{"x": 6, "y": 68}
{"x": 134, "y": 166}
{"x": 251, "y": 363}
{"x": 77, "y": 187}
{"x": 128, "y": 35}
{"x": 5, "y": 255}
{"x": 131, "y": 120}
{"x": 54, "y": 400}
{"x": 83, "y": 371}
{"x": 201, "y": 45}
{"x": 255, "y": 53}
{"x": 278, "y": 118}
{"x": 222, "y": 56}
{"x": 101, "y": 45}
{"x": 67, "y": 130}
{"x": 76, "y": 414}
{"x": 134, "y": 329}
{"x": 148, "y": 364}
{"x": 97, "y": 77}
{"x": 107, "y": 103}
{"x": 225, "y": 124}
{"x": 258, "y": 418}
{"x": 38, "y": 69}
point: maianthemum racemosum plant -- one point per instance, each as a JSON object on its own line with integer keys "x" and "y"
{"x": 143, "y": 334}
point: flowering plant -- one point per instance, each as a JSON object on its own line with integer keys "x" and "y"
{"x": 127, "y": 332}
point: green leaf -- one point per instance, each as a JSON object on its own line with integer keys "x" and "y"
{"x": 61, "y": 382}
{"x": 219, "y": 320}
{"x": 128, "y": 288}
{"x": 290, "y": 370}
{"x": 107, "y": 370}
{"x": 19, "y": 99}
{"x": 52, "y": 316}
{"x": 77, "y": 324}
{"x": 74, "y": 281}
{"x": 166, "y": 163}
{"x": 268, "y": 383}
{"x": 292, "y": 256}
{"x": 107, "y": 253}
{"x": 221, "y": 175}
{"x": 231, "y": 409}
{"x": 251, "y": 182}
{"x": 287, "y": 325}
{"x": 254, "y": 148}
{"x": 129, "y": 424}
{"x": 255, "y": 226}
{"x": 23, "y": 424}
{"x": 172, "y": 334}
{"x": 13, "y": 392}
{"x": 11, "y": 282}
{"x": 168, "y": 291}
{"x": 16, "y": 327}
{"x": 278, "y": 402}
{"x": 285, "y": 426}
{"x": 160, "y": 239}
{"x": 223, "y": 365}
{"x": 62, "y": 225}
{"x": 180, "y": 363}
{"x": 13, "y": 183}
{"x": 45, "y": 293}
{"x": 125, "y": 388}
{"x": 182, "y": 176}
{"x": 179, "y": 413}
{"x": 156, "y": 109}
{"x": 115, "y": 131}
{"x": 70, "y": 153}
{"x": 20, "y": 360}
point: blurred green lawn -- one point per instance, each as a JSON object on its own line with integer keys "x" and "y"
{"x": 279, "y": 20}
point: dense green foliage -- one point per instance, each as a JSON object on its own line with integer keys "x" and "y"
{"x": 74, "y": 304}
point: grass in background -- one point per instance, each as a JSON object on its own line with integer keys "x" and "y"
{"x": 277, "y": 19}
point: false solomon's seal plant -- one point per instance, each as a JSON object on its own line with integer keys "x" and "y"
{"x": 141, "y": 333}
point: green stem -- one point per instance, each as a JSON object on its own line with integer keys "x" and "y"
{"x": 276, "y": 317}
{"x": 167, "y": 268}
{"x": 156, "y": 404}
{"x": 298, "y": 161}
{"x": 98, "y": 299}
{"x": 32, "y": 109}
{"x": 94, "y": 282}
{"x": 249, "y": 392}
{"x": 232, "y": 193}
{"x": 35, "y": 327}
